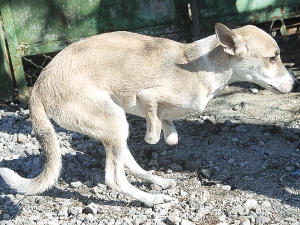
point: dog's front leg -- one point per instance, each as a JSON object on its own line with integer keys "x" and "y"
{"x": 170, "y": 133}
{"x": 149, "y": 103}
{"x": 154, "y": 126}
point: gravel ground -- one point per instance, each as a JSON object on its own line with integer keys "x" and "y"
{"x": 237, "y": 163}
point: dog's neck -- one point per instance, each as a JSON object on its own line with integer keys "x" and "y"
{"x": 207, "y": 58}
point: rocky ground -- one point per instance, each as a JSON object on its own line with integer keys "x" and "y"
{"x": 237, "y": 163}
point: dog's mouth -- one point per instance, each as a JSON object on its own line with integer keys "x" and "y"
{"x": 274, "y": 90}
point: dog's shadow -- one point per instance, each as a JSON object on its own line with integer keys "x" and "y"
{"x": 259, "y": 158}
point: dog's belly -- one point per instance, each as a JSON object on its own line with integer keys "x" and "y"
{"x": 135, "y": 110}
{"x": 175, "y": 113}
{"x": 168, "y": 113}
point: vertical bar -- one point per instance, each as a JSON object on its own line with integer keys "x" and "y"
{"x": 195, "y": 14}
{"x": 186, "y": 21}
{"x": 13, "y": 47}
{"x": 6, "y": 81}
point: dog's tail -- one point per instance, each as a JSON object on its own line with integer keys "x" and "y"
{"x": 46, "y": 136}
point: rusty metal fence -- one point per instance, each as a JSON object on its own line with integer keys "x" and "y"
{"x": 33, "y": 66}
{"x": 39, "y": 27}
{"x": 33, "y": 31}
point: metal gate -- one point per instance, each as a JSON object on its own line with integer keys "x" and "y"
{"x": 41, "y": 26}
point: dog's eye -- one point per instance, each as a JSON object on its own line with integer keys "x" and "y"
{"x": 272, "y": 59}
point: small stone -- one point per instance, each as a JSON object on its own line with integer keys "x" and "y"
{"x": 228, "y": 123}
{"x": 243, "y": 164}
{"x": 63, "y": 212}
{"x": 250, "y": 204}
{"x": 186, "y": 222}
{"x": 100, "y": 188}
{"x": 239, "y": 210}
{"x": 76, "y": 184}
{"x": 80, "y": 156}
{"x": 132, "y": 211}
{"x": 154, "y": 156}
{"x": 89, "y": 218}
{"x": 173, "y": 220}
{"x": 75, "y": 210}
{"x": 88, "y": 183}
{"x": 90, "y": 208}
{"x": 253, "y": 90}
{"x": 290, "y": 219}
{"x": 230, "y": 161}
{"x": 22, "y": 138}
{"x": 226, "y": 187}
{"x": 24, "y": 112}
{"x": 222, "y": 218}
{"x": 176, "y": 167}
{"x": 140, "y": 219}
{"x": 208, "y": 172}
{"x": 265, "y": 205}
{"x": 209, "y": 119}
{"x": 34, "y": 217}
{"x": 260, "y": 220}
{"x": 241, "y": 128}
{"x": 296, "y": 223}
{"x": 236, "y": 108}
{"x": 289, "y": 168}
{"x": 245, "y": 221}
{"x": 5, "y": 216}
{"x": 156, "y": 187}
{"x": 234, "y": 139}
{"x": 114, "y": 194}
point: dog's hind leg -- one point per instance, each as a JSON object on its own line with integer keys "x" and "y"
{"x": 105, "y": 120}
{"x": 138, "y": 172}
{"x": 115, "y": 176}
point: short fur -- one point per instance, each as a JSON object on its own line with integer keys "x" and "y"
{"x": 90, "y": 85}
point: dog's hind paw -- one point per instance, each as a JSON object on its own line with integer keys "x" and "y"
{"x": 167, "y": 183}
{"x": 160, "y": 199}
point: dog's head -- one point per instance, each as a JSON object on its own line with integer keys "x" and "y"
{"x": 255, "y": 57}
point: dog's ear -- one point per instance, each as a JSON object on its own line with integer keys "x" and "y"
{"x": 232, "y": 44}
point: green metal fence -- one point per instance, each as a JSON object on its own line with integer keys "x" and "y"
{"x": 207, "y": 12}
{"x": 43, "y": 27}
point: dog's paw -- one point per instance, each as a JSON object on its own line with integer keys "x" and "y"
{"x": 151, "y": 138}
{"x": 172, "y": 139}
{"x": 167, "y": 183}
{"x": 159, "y": 199}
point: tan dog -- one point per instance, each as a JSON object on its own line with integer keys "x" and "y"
{"x": 89, "y": 86}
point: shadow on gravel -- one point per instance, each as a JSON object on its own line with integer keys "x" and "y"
{"x": 263, "y": 159}
{"x": 8, "y": 208}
